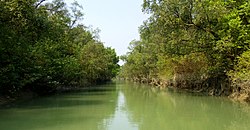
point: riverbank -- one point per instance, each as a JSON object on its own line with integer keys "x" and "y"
{"x": 211, "y": 87}
{"x": 28, "y": 94}
{"x": 4, "y": 100}
{"x": 24, "y": 95}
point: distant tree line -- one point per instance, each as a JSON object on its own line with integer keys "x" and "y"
{"x": 43, "y": 46}
{"x": 199, "y": 45}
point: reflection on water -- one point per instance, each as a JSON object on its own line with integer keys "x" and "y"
{"x": 121, "y": 119}
{"x": 154, "y": 109}
{"x": 125, "y": 106}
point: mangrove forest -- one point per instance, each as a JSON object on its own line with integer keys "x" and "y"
{"x": 196, "y": 45}
{"x": 45, "y": 47}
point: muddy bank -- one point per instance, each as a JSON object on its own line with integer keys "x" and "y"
{"x": 208, "y": 87}
{"x": 29, "y": 94}
{"x": 24, "y": 95}
{"x": 5, "y": 100}
{"x": 241, "y": 91}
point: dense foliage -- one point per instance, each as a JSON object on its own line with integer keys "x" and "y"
{"x": 44, "y": 46}
{"x": 194, "y": 44}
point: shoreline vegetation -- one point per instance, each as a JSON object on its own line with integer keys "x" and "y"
{"x": 44, "y": 48}
{"x": 199, "y": 46}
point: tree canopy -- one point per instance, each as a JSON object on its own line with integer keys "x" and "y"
{"x": 43, "y": 45}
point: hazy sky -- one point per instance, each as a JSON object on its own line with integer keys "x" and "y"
{"x": 118, "y": 20}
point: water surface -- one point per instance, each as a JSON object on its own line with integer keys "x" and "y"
{"x": 125, "y": 106}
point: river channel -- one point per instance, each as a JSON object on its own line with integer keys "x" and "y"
{"x": 125, "y": 106}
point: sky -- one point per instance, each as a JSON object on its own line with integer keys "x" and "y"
{"x": 118, "y": 20}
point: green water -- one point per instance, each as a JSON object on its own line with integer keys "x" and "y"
{"x": 125, "y": 106}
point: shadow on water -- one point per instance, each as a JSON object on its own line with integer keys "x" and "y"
{"x": 82, "y": 97}
{"x": 86, "y": 109}
{"x": 61, "y": 103}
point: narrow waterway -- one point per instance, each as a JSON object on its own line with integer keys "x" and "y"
{"x": 125, "y": 106}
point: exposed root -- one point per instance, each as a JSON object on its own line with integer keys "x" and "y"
{"x": 241, "y": 91}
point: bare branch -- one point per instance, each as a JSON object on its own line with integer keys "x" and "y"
{"x": 40, "y": 3}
